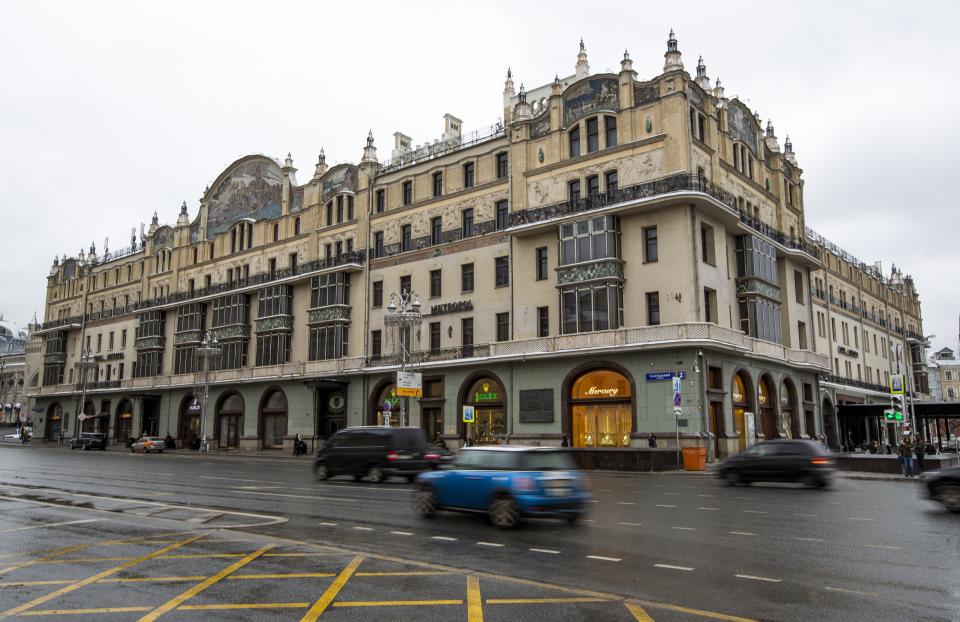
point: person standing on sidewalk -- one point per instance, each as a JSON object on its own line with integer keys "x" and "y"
{"x": 906, "y": 456}
{"x": 919, "y": 450}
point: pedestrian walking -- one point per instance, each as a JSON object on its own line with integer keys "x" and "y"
{"x": 919, "y": 451}
{"x": 905, "y": 452}
{"x": 652, "y": 441}
{"x": 61, "y": 436}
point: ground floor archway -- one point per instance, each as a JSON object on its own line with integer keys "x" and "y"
{"x": 188, "y": 426}
{"x": 600, "y": 407}
{"x": 229, "y": 419}
{"x": 123, "y": 421}
{"x": 272, "y": 427}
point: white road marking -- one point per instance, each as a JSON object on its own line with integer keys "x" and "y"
{"x": 625, "y": 503}
{"x": 741, "y": 497}
{"x": 860, "y": 518}
{"x": 742, "y": 533}
{"x": 672, "y": 494}
{"x": 592, "y": 501}
{"x": 604, "y": 559}
{"x": 237, "y": 479}
{"x": 358, "y": 528}
{"x": 660, "y": 505}
{"x": 633, "y": 524}
{"x": 444, "y": 538}
{"x": 707, "y": 496}
{"x": 401, "y": 533}
{"x": 845, "y": 591}
{"x": 754, "y": 512}
{"x": 550, "y": 551}
{"x": 45, "y": 525}
{"x": 670, "y": 567}
{"x": 884, "y": 546}
{"x": 806, "y": 515}
{"x": 748, "y": 576}
{"x": 810, "y": 539}
{"x": 603, "y": 490}
{"x": 586, "y": 520}
{"x": 488, "y": 544}
{"x": 709, "y": 509}
{"x": 328, "y": 524}
{"x": 280, "y": 494}
{"x": 684, "y": 528}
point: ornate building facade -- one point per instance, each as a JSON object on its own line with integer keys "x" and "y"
{"x": 611, "y": 233}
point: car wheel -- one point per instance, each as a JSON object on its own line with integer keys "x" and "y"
{"x": 132, "y": 450}
{"x": 426, "y": 503}
{"x": 811, "y": 480}
{"x": 949, "y": 495}
{"x": 320, "y": 471}
{"x": 732, "y": 478}
{"x": 503, "y": 513}
{"x": 375, "y": 474}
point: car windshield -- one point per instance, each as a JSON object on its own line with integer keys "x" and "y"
{"x": 547, "y": 461}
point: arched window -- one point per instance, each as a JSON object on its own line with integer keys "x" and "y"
{"x": 743, "y": 404}
{"x": 767, "y": 403}
{"x": 273, "y": 420}
{"x": 230, "y": 421}
{"x": 601, "y": 410}
{"x": 296, "y": 226}
{"x": 276, "y": 232}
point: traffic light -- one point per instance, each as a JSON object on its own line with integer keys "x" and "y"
{"x": 896, "y": 409}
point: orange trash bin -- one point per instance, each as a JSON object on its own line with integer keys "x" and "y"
{"x": 694, "y": 458}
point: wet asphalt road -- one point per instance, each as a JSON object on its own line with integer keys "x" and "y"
{"x": 862, "y": 550}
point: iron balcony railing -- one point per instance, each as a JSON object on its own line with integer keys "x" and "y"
{"x": 434, "y": 354}
{"x": 850, "y": 382}
{"x": 680, "y": 182}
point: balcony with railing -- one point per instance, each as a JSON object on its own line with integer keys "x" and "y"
{"x": 439, "y": 148}
{"x": 850, "y": 382}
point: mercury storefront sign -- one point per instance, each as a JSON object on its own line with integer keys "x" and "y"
{"x": 451, "y": 307}
{"x": 602, "y": 391}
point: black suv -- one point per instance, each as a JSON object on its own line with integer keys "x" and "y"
{"x": 374, "y": 452}
{"x": 89, "y": 440}
{"x": 801, "y": 461}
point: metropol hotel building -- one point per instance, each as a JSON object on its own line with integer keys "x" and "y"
{"x": 612, "y": 232}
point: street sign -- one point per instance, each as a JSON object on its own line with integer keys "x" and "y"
{"x": 409, "y": 384}
{"x": 469, "y": 415}
{"x": 676, "y": 384}
{"x": 677, "y": 410}
{"x": 81, "y": 417}
{"x": 387, "y": 406}
{"x": 658, "y": 376}
{"x": 896, "y": 384}
{"x": 676, "y": 399}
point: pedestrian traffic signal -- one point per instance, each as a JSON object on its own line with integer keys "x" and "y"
{"x": 892, "y": 415}
{"x": 896, "y": 409}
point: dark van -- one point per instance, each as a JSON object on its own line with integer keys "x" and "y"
{"x": 375, "y": 452}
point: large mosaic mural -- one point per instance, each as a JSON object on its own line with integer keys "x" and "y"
{"x": 339, "y": 179}
{"x": 743, "y": 125}
{"x": 589, "y": 96}
{"x": 644, "y": 93}
{"x": 250, "y": 189}
{"x": 163, "y": 238}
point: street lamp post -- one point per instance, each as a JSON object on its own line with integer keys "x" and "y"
{"x": 3, "y": 383}
{"x": 208, "y": 350}
{"x": 86, "y": 361}
{"x": 403, "y": 313}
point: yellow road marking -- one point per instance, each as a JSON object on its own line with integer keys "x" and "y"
{"x": 638, "y": 612}
{"x": 541, "y": 601}
{"x": 405, "y": 573}
{"x": 176, "y": 601}
{"x": 697, "y": 612}
{"x": 60, "y": 612}
{"x": 395, "y": 603}
{"x": 155, "y": 579}
{"x": 302, "y": 554}
{"x": 290, "y": 575}
{"x": 93, "y": 579}
{"x": 85, "y": 560}
{"x": 474, "y": 602}
{"x": 29, "y": 583}
{"x": 203, "y": 555}
{"x": 324, "y": 601}
{"x": 243, "y": 606}
{"x": 56, "y": 553}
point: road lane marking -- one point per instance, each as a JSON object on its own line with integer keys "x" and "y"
{"x": 684, "y": 528}
{"x": 549, "y": 551}
{"x": 806, "y": 515}
{"x": 100, "y": 575}
{"x": 672, "y": 567}
{"x": 742, "y": 533}
{"x": 47, "y": 559}
{"x": 604, "y": 559}
{"x": 31, "y": 583}
{"x": 359, "y": 528}
{"x": 444, "y": 538}
{"x": 710, "y": 509}
{"x": 673, "y": 494}
{"x": 328, "y": 524}
{"x": 488, "y": 544}
{"x": 884, "y": 546}
{"x": 707, "y": 496}
{"x": 696, "y": 612}
{"x": 228, "y": 606}
{"x": 56, "y": 612}
{"x": 404, "y": 573}
{"x": 46, "y": 525}
{"x": 474, "y": 600}
{"x": 281, "y": 494}
{"x": 638, "y": 612}
{"x": 810, "y": 539}
{"x": 331, "y": 592}
{"x": 287, "y": 575}
{"x": 544, "y": 601}
{"x": 155, "y": 579}
{"x": 755, "y": 578}
{"x": 625, "y": 503}
{"x": 754, "y": 512}
{"x": 237, "y": 479}
{"x": 846, "y": 591}
{"x": 599, "y": 490}
{"x": 183, "y": 597}
{"x": 633, "y": 524}
{"x": 401, "y": 533}
{"x": 860, "y": 518}
{"x": 661, "y": 505}
{"x": 395, "y": 603}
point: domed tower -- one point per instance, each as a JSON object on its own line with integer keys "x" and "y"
{"x": 672, "y": 55}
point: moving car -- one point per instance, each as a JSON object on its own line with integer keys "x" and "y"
{"x": 147, "y": 444}
{"x": 89, "y": 440}
{"x": 376, "y": 452}
{"x": 507, "y": 483}
{"x": 785, "y": 460}
{"x": 944, "y": 486}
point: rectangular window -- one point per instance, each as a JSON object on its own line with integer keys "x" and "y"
{"x": 349, "y": 211}
{"x": 653, "y": 308}
{"x": 833, "y": 328}
{"x": 123, "y": 338}
{"x": 110, "y": 347}
{"x": 466, "y": 223}
{"x": 543, "y": 321}
{"x": 378, "y": 244}
{"x": 542, "y": 263}
{"x": 503, "y": 215}
{"x": 650, "y": 252}
{"x": 610, "y": 182}
{"x": 502, "y": 271}
{"x": 405, "y": 285}
{"x": 438, "y": 184}
{"x": 406, "y": 238}
{"x": 435, "y": 283}
{"x": 573, "y": 190}
{"x": 292, "y": 261}
{"x": 501, "y": 165}
{"x": 798, "y": 285}
{"x": 575, "y": 142}
{"x": 586, "y": 240}
{"x": 434, "y": 337}
{"x": 407, "y": 192}
{"x": 381, "y": 202}
{"x": 377, "y": 294}
{"x": 466, "y": 278}
{"x": 327, "y": 341}
{"x": 339, "y": 209}
{"x": 801, "y": 335}
{"x": 710, "y": 305}
{"x": 376, "y": 343}
{"x": 466, "y": 332}
{"x": 593, "y": 186}
{"x": 271, "y": 266}
{"x": 610, "y": 128}
{"x": 593, "y": 135}
{"x": 708, "y": 254}
{"x": 468, "y": 175}
{"x": 99, "y": 341}
{"x": 503, "y": 327}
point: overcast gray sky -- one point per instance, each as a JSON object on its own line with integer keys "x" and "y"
{"x": 110, "y": 111}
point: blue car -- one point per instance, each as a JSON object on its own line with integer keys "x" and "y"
{"x": 507, "y": 483}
